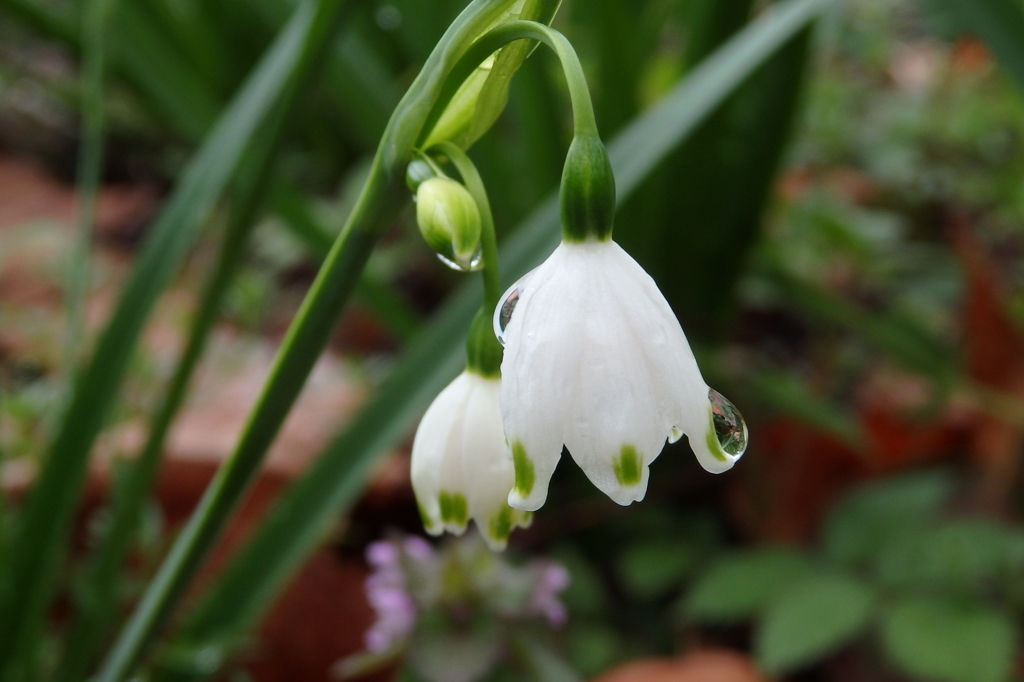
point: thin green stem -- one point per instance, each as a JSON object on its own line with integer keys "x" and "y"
{"x": 434, "y": 165}
{"x": 488, "y": 239}
{"x": 95, "y": 18}
{"x": 374, "y": 290}
{"x": 588, "y": 185}
{"x": 584, "y": 123}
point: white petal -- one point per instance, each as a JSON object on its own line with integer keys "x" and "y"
{"x": 595, "y": 359}
{"x": 486, "y": 465}
{"x": 532, "y": 409}
{"x": 677, "y": 382}
{"x": 436, "y": 466}
{"x": 460, "y": 466}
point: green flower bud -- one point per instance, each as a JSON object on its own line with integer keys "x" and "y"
{"x": 456, "y": 122}
{"x": 449, "y": 220}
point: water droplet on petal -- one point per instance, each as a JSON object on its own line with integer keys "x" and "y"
{"x": 503, "y": 313}
{"x": 473, "y": 264}
{"x": 674, "y": 435}
{"x": 730, "y": 428}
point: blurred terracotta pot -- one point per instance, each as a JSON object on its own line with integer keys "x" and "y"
{"x": 701, "y": 666}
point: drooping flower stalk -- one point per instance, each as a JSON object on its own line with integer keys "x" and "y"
{"x": 595, "y": 359}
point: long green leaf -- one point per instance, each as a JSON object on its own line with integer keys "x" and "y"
{"x": 297, "y": 522}
{"x": 144, "y": 56}
{"x": 38, "y": 548}
{"x": 95, "y": 19}
{"x": 97, "y": 603}
{"x": 95, "y": 22}
{"x": 43, "y": 19}
{"x": 150, "y": 60}
{"x": 692, "y": 226}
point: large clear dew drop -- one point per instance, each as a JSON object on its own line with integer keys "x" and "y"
{"x": 503, "y": 313}
{"x": 730, "y": 428}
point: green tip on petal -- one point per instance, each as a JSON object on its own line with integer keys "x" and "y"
{"x": 525, "y": 475}
{"x": 627, "y": 466}
{"x": 501, "y": 525}
{"x": 428, "y": 523}
{"x": 454, "y": 509}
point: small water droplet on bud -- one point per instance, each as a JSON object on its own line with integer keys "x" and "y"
{"x": 472, "y": 265}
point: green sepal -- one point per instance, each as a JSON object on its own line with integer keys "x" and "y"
{"x": 588, "y": 191}
{"x": 456, "y": 122}
{"x": 483, "y": 352}
{"x": 483, "y": 95}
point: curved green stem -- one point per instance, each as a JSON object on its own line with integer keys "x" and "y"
{"x": 488, "y": 239}
{"x": 588, "y": 184}
{"x": 584, "y": 123}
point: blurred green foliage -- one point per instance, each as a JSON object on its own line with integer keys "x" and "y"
{"x": 890, "y": 560}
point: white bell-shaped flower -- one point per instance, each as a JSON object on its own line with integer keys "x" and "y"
{"x": 596, "y": 361}
{"x": 460, "y": 464}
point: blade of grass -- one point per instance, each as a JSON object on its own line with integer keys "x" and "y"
{"x": 305, "y": 340}
{"x": 360, "y": 84}
{"x": 904, "y": 340}
{"x": 152, "y": 63}
{"x": 720, "y": 181}
{"x": 95, "y": 18}
{"x": 141, "y": 55}
{"x": 243, "y": 591}
{"x": 45, "y": 20}
{"x": 198, "y": 42}
{"x": 28, "y": 578}
{"x": 97, "y": 605}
